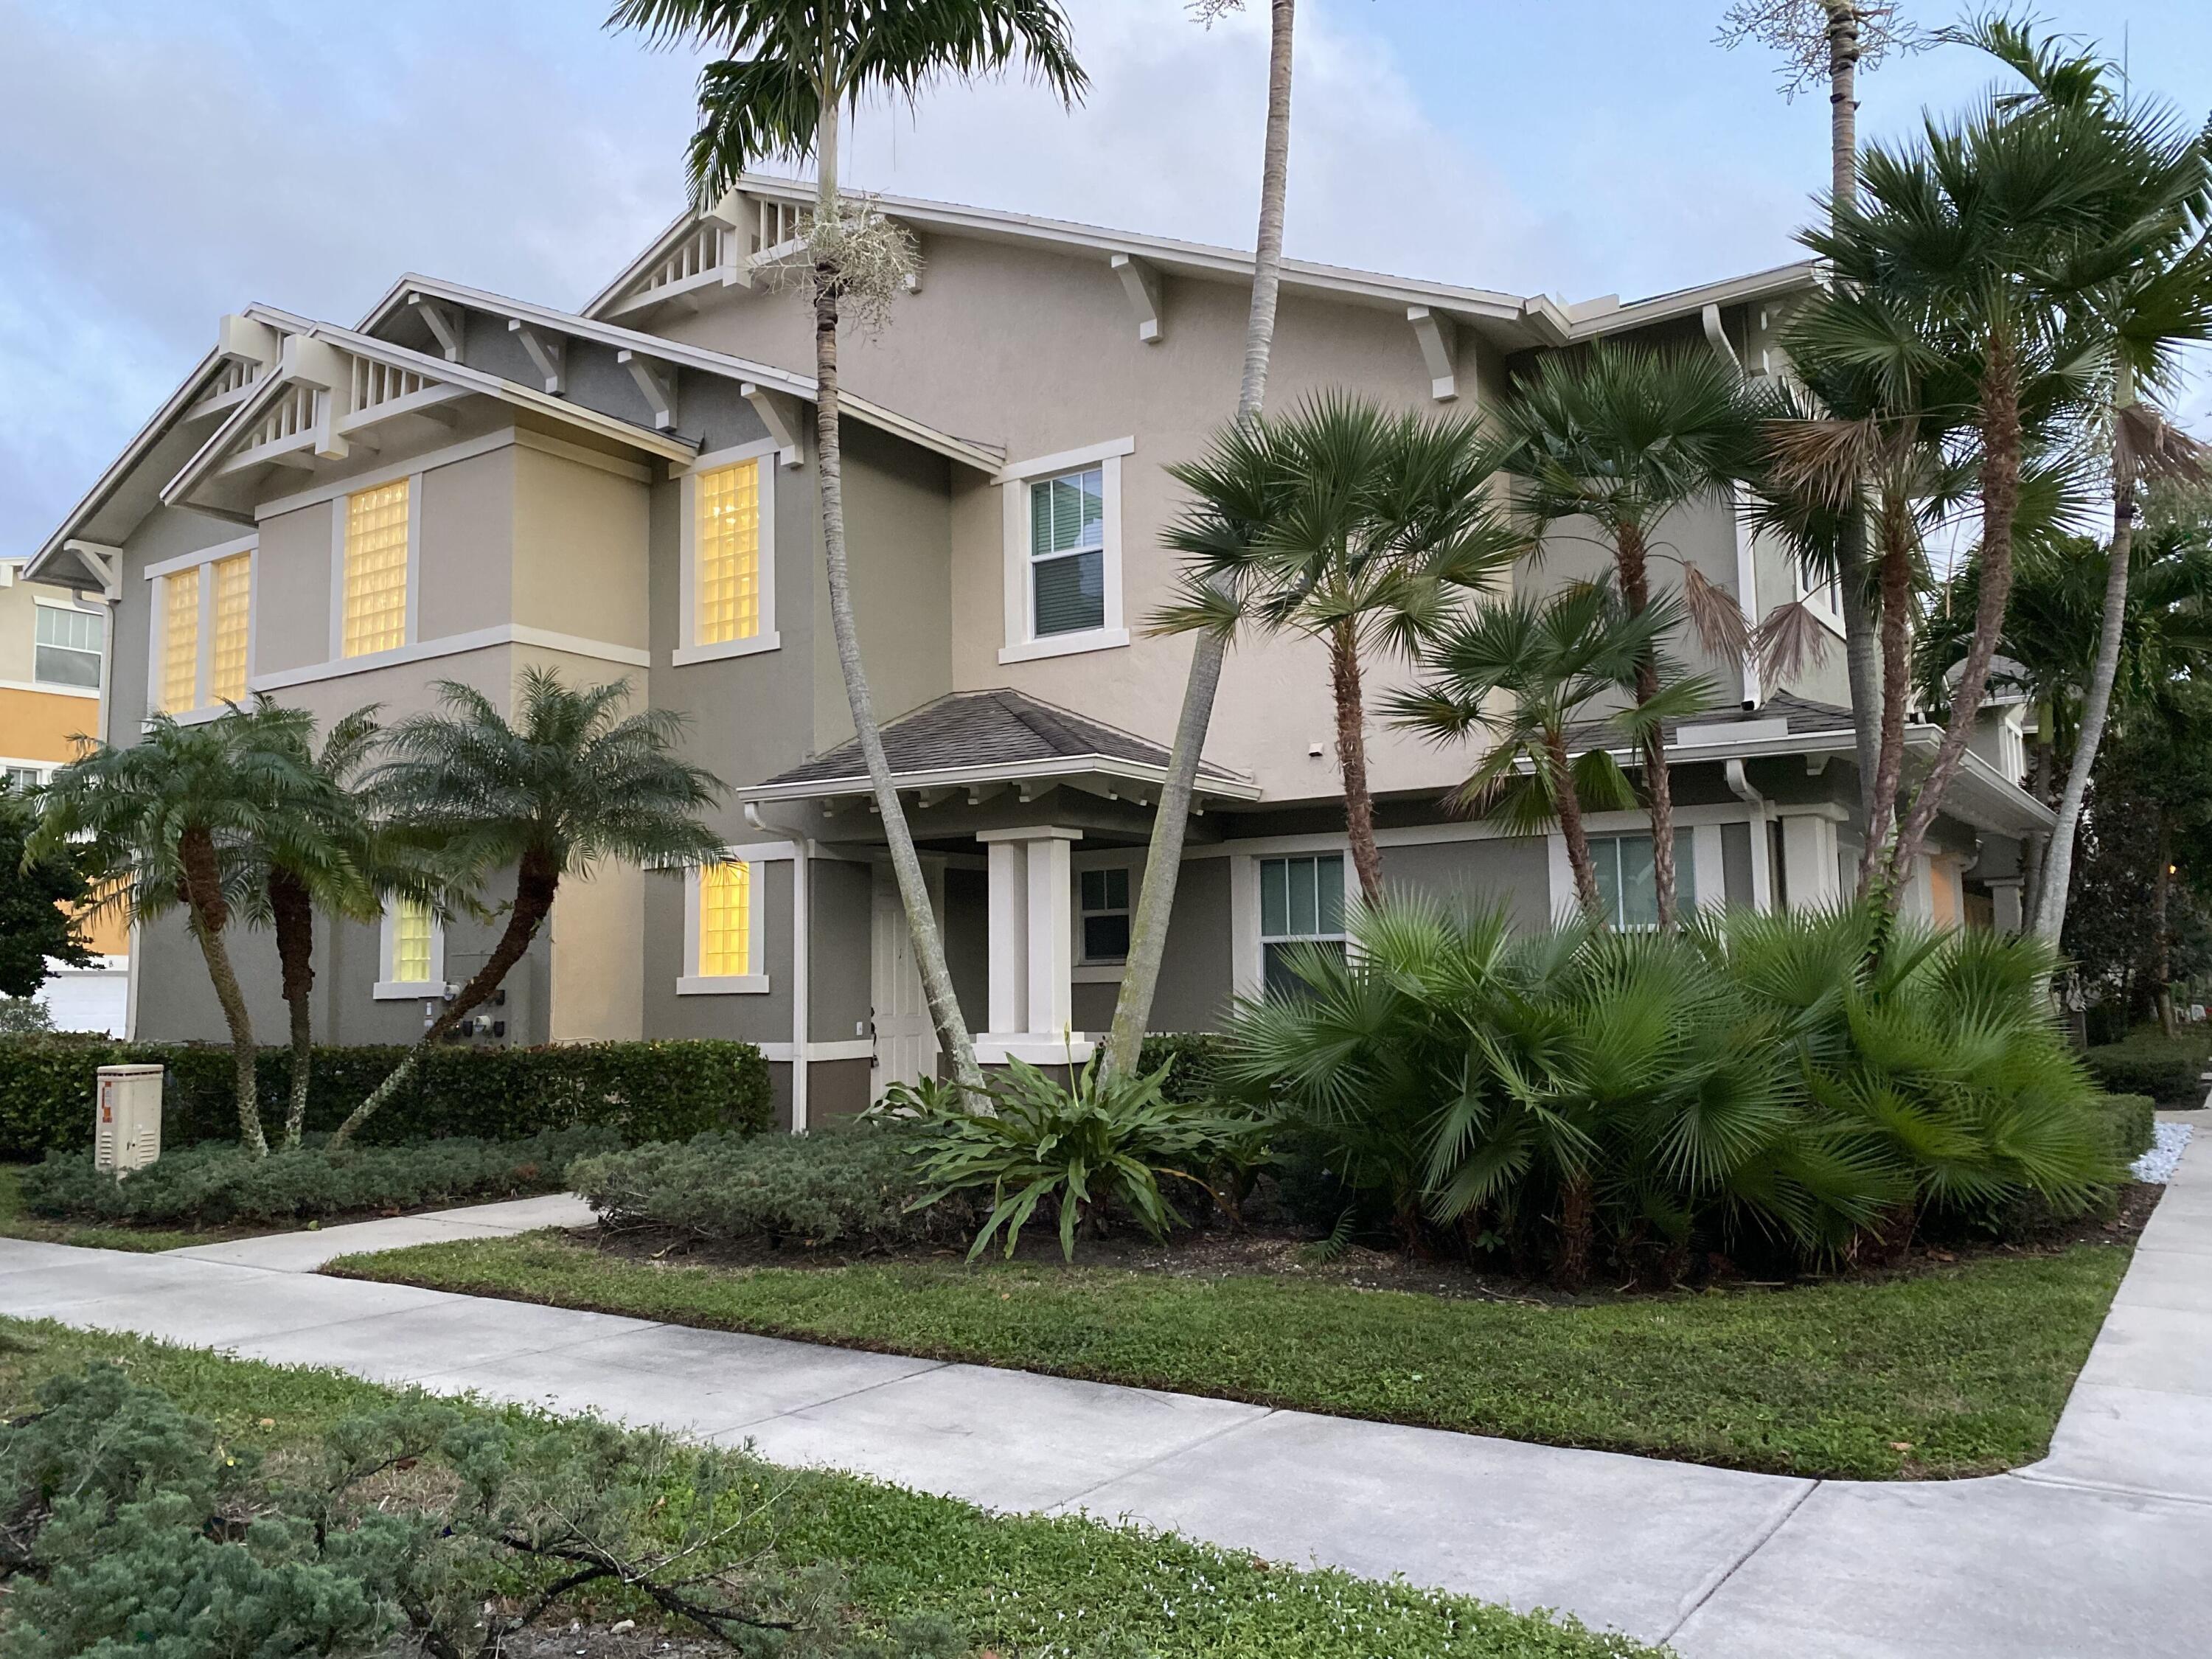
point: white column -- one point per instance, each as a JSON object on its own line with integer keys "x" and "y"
{"x": 2004, "y": 900}
{"x": 1052, "y": 936}
{"x": 1808, "y": 861}
{"x": 1010, "y": 907}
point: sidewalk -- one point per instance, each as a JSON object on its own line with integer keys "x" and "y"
{"x": 2100, "y": 1550}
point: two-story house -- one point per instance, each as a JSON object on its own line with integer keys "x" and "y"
{"x": 463, "y": 484}
{"x": 53, "y": 672}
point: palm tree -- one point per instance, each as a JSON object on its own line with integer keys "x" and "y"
{"x": 168, "y": 821}
{"x": 1148, "y": 927}
{"x": 1830, "y": 41}
{"x": 571, "y": 782}
{"x": 1366, "y": 530}
{"x": 1975, "y": 236}
{"x": 1528, "y": 675}
{"x": 316, "y": 851}
{"x": 793, "y": 68}
{"x": 1624, "y": 435}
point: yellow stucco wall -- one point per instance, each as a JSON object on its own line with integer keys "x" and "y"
{"x": 39, "y": 725}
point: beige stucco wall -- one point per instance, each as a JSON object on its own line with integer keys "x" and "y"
{"x": 466, "y": 563}
{"x": 579, "y": 536}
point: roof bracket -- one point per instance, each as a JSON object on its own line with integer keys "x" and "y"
{"x": 1141, "y": 282}
{"x": 778, "y": 413}
{"x": 656, "y": 381}
{"x": 1716, "y": 337}
{"x": 1439, "y": 350}
{"x": 548, "y": 353}
{"x": 444, "y": 322}
{"x": 103, "y": 561}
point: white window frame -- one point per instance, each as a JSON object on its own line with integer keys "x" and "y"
{"x": 42, "y": 772}
{"x": 688, "y": 649}
{"x": 1825, "y": 601}
{"x": 204, "y": 562}
{"x": 341, "y": 509}
{"x": 388, "y": 989}
{"x": 1022, "y": 643}
{"x": 57, "y": 687}
{"x": 1105, "y": 967}
{"x": 723, "y": 985}
{"x": 1262, "y": 939}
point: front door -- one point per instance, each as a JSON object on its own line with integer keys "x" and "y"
{"x": 906, "y": 1041}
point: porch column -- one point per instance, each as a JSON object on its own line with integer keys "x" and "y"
{"x": 1810, "y": 875}
{"x": 1032, "y": 944}
{"x": 2004, "y": 900}
{"x": 1051, "y": 935}
{"x": 1010, "y": 927}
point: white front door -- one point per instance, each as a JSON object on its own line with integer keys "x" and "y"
{"x": 906, "y": 1040}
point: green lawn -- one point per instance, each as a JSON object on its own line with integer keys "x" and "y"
{"x": 16, "y": 1221}
{"x": 1960, "y": 1371}
{"x": 1023, "y": 1588}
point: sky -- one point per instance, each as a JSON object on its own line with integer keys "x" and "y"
{"x": 163, "y": 161}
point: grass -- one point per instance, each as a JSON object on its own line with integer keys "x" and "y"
{"x": 17, "y": 1222}
{"x": 1023, "y": 1587}
{"x": 1957, "y": 1372}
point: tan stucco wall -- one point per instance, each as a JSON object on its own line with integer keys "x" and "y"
{"x": 466, "y": 559}
{"x": 579, "y": 538}
{"x": 292, "y": 580}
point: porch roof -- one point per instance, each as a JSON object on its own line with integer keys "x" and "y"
{"x": 995, "y": 736}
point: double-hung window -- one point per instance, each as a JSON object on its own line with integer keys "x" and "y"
{"x": 728, "y": 604}
{"x": 1301, "y": 902}
{"x": 203, "y": 634}
{"x": 378, "y": 552}
{"x": 1103, "y": 899}
{"x": 1627, "y": 884}
{"x": 1067, "y": 553}
{"x": 67, "y": 648}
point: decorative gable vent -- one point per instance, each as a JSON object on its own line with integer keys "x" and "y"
{"x": 721, "y": 248}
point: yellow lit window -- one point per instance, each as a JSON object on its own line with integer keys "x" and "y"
{"x": 410, "y": 942}
{"x": 376, "y": 569}
{"x": 725, "y": 915}
{"x": 180, "y": 642}
{"x": 233, "y": 588}
{"x": 729, "y": 530}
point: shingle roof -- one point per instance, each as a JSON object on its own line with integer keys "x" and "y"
{"x": 1804, "y": 717}
{"x": 998, "y": 727}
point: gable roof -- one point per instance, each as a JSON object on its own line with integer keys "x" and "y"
{"x": 970, "y": 451}
{"x": 992, "y": 735}
{"x": 1514, "y": 322}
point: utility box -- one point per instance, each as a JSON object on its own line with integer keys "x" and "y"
{"x": 127, "y": 1121}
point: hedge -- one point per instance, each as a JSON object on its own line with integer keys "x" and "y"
{"x": 640, "y": 1091}
{"x": 2131, "y": 1123}
{"x": 2170, "y": 1070}
{"x": 1192, "y": 1060}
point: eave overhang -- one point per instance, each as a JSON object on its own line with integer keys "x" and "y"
{"x": 1141, "y": 781}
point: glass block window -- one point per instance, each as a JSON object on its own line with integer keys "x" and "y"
{"x": 728, "y": 600}
{"x": 233, "y": 592}
{"x": 1067, "y": 553}
{"x": 375, "y": 570}
{"x": 180, "y": 642}
{"x": 1627, "y": 883}
{"x": 725, "y": 915}
{"x": 411, "y": 927}
{"x": 68, "y": 647}
{"x": 1104, "y": 901}
{"x": 1301, "y": 902}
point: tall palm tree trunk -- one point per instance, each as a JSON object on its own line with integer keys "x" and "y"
{"x": 2050, "y": 917}
{"x": 1568, "y": 805}
{"x": 1896, "y": 688}
{"x": 2000, "y": 493}
{"x": 906, "y": 862}
{"x": 210, "y": 915}
{"x": 535, "y": 886}
{"x": 2161, "y": 949}
{"x": 1148, "y": 927}
{"x": 1635, "y": 589}
{"x": 293, "y": 913}
{"x": 1352, "y": 758}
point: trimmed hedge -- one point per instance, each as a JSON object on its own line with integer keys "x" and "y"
{"x": 849, "y": 1186}
{"x": 1193, "y": 1060}
{"x": 213, "y": 1186}
{"x": 640, "y": 1091}
{"x": 2169, "y": 1070}
{"x": 2131, "y": 1123}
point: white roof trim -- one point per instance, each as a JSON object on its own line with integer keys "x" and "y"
{"x": 1058, "y": 766}
{"x": 986, "y": 457}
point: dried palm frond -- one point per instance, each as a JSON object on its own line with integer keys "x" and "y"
{"x": 1790, "y": 640}
{"x": 1716, "y": 615}
{"x": 2150, "y": 448}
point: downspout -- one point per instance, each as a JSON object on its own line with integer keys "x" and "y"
{"x": 1762, "y": 839}
{"x": 801, "y": 882}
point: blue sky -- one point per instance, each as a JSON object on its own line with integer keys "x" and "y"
{"x": 166, "y": 162}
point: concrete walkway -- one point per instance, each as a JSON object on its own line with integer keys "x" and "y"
{"x": 2103, "y": 1549}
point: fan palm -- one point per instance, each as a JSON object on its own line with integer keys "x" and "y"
{"x": 572, "y": 781}
{"x": 1623, "y": 436}
{"x": 1528, "y": 674}
{"x": 790, "y": 71}
{"x": 169, "y": 821}
{"x": 1148, "y": 926}
{"x": 1364, "y": 529}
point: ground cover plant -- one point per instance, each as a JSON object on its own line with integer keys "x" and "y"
{"x": 219, "y": 1185}
{"x": 17, "y": 1222}
{"x": 874, "y": 1570}
{"x": 1960, "y": 1368}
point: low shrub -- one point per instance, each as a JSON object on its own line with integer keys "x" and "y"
{"x": 216, "y": 1185}
{"x": 1194, "y": 1060}
{"x": 640, "y": 1091}
{"x": 2130, "y": 1125}
{"x": 2170, "y": 1070}
{"x": 853, "y": 1185}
